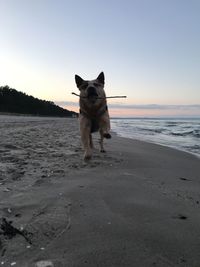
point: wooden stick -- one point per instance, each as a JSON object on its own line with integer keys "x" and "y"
{"x": 117, "y": 96}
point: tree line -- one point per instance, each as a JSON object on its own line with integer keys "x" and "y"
{"x": 13, "y": 101}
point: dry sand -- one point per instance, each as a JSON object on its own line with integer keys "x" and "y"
{"x": 136, "y": 205}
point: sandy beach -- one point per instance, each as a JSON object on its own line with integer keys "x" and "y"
{"x": 137, "y": 205}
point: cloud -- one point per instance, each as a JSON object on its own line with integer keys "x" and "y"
{"x": 155, "y": 107}
{"x": 138, "y": 107}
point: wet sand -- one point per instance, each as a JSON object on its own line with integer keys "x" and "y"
{"x": 136, "y": 205}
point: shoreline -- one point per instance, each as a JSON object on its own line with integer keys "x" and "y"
{"x": 136, "y": 205}
{"x": 112, "y": 131}
{"x": 159, "y": 144}
{"x": 182, "y": 135}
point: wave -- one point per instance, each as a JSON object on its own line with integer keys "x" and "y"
{"x": 183, "y": 135}
{"x": 193, "y": 147}
{"x": 194, "y": 133}
{"x": 159, "y": 130}
{"x": 171, "y": 124}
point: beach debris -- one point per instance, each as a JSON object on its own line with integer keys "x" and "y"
{"x": 42, "y": 248}
{"x": 2, "y": 262}
{"x": 13, "y": 263}
{"x": 44, "y": 264}
{"x": 184, "y": 179}
{"x": 7, "y": 189}
{"x": 180, "y": 217}
{"x": 9, "y": 210}
{"x": 10, "y": 231}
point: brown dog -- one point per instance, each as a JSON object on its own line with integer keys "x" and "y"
{"x": 93, "y": 112}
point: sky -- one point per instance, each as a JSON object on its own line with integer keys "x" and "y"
{"x": 149, "y": 51}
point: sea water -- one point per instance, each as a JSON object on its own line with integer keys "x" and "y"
{"x": 182, "y": 134}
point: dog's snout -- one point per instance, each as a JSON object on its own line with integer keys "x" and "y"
{"x": 92, "y": 91}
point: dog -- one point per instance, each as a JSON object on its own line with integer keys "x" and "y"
{"x": 93, "y": 115}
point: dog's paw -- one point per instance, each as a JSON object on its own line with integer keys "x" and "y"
{"x": 87, "y": 156}
{"x": 107, "y": 135}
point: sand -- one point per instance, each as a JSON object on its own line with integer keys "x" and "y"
{"x": 136, "y": 205}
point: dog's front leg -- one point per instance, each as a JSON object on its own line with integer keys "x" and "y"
{"x": 101, "y": 141}
{"x": 91, "y": 142}
{"x": 104, "y": 130}
{"x": 86, "y": 139}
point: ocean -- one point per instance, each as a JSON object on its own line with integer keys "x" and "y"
{"x": 182, "y": 134}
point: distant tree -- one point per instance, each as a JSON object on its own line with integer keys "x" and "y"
{"x": 13, "y": 101}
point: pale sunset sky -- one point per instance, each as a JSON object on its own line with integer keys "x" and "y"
{"x": 149, "y": 50}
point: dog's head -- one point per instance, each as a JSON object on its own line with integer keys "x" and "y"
{"x": 91, "y": 91}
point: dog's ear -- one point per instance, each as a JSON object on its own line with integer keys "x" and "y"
{"x": 101, "y": 78}
{"x": 78, "y": 80}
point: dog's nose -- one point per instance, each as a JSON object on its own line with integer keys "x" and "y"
{"x": 92, "y": 91}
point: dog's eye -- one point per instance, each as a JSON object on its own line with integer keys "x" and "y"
{"x": 84, "y": 86}
{"x": 96, "y": 84}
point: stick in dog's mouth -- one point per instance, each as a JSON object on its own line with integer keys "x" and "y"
{"x": 97, "y": 97}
